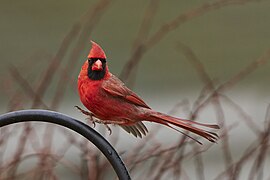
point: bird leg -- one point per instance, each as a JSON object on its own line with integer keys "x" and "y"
{"x": 85, "y": 112}
{"x": 89, "y": 114}
{"x": 105, "y": 123}
{"x": 94, "y": 120}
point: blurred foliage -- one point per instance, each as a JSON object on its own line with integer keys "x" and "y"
{"x": 224, "y": 40}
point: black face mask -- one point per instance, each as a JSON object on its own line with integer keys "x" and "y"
{"x": 96, "y": 75}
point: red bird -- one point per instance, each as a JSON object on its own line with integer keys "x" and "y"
{"x": 110, "y": 101}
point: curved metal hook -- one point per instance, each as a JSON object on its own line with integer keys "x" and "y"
{"x": 57, "y": 118}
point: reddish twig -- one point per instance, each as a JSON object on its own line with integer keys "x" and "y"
{"x": 54, "y": 64}
{"x": 205, "y": 78}
{"x": 25, "y": 85}
{"x": 245, "y": 117}
{"x": 168, "y": 27}
{"x": 93, "y": 17}
{"x": 257, "y": 168}
{"x": 142, "y": 36}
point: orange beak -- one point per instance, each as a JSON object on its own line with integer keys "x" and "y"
{"x": 97, "y": 66}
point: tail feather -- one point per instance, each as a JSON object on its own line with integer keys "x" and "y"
{"x": 185, "y": 124}
{"x": 137, "y": 129}
{"x": 168, "y": 125}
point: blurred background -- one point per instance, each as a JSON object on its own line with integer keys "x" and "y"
{"x": 200, "y": 60}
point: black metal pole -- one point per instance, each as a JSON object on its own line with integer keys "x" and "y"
{"x": 57, "y": 118}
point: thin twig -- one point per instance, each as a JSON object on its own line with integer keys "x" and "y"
{"x": 54, "y": 64}
{"x": 246, "y": 118}
{"x": 205, "y": 78}
{"x": 168, "y": 27}
{"x": 251, "y": 67}
{"x": 142, "y": 36}
{"x": 94, "y": 15}
{"x": 257, "y": 168}
{"x": 25, "y": 85}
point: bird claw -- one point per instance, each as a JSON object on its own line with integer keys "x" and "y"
{"x": 105, "y": 124}
{"x": 94, "y": 124}
{"x": 89, "y": 114}
{"x": 108, "y": 128}
{"x": 92, "y": 120}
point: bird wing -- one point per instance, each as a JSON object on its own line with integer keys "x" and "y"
{"x": 116, "y": 87}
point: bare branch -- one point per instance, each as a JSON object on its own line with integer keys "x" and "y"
{"x": 25, "y": 85}
{"x": 93, "y": 17}
{"x": 55, "y": 63}
{"x": 168, "y": 27}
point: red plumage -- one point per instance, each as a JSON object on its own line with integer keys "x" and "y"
{"x": 109, "y": 100}
{"x": 96, "y": 51}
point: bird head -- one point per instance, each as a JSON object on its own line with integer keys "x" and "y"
{"x": 97, "y": 66}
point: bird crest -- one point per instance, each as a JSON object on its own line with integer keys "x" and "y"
{"x": 96, "y": 51}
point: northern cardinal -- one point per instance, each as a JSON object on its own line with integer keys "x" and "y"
{"x": 110, "y": 101}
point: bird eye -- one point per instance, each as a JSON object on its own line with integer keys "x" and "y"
{"x": 90, "y": 61}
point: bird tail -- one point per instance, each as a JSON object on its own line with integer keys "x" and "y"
{"x": 185, "y": 124}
